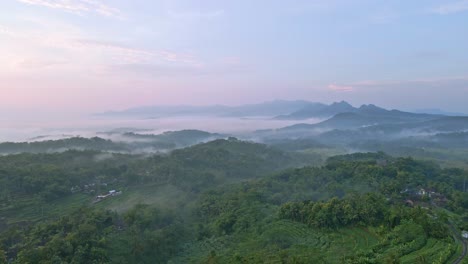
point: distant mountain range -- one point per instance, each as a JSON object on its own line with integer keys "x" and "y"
{"x": 266, "y": 109}
{"x": 367, "y": 127}
{"x": 343, "y": 127}
{"x": 367, "y": 111}
{"x": 278, "y": 109}
{"x": 364, "y": 116}
{"x": 318, "y": 110}
{"x": 370, "y": 128}
{"x": 438, "y": 112}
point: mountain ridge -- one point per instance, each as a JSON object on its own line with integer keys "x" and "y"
{"x": 268, "y": 108}
{"x": 275, "y": 109}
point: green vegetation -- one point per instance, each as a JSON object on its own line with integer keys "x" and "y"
{"x": 229, "y": 201}
{"x": 122, "y": 142}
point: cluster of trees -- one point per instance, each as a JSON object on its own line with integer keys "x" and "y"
{"x": 237, "y": 199}
{"x": 204, "y": 166}
{"x": 77, "y": 238}
{"x": 147, "y": 235}
{"x": 127, "y": 142}
{"x": 369, "y": 209}
{"x": 308, "y": 195}
{"x": 142, "y": 235}
{"x": 50, "y": 146}
{"x": 51, "y": 176}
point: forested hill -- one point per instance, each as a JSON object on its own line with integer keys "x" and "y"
{"x": 49, "y": 146}
{"x": 229, "y": 201}
{"x": 120, "y": 142}
{"x": 25, "y": 177}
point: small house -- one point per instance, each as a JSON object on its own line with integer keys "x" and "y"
{"x": 422, "y": 192}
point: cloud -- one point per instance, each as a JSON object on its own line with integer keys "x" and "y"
{"x": 340, "y": 88}
{"x": 454, "y": 7}
{"x": 151, "y": 69}
{"x": 127, "y": 54}
{"x": 165, "y": 70}
{"x": 78, "y": 6}
{"x": 224, "y": 66}
{"x": 73, "y": 47}
{"x": 39, "y": 63}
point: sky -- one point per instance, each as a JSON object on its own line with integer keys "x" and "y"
{"x": 76, "y": 56}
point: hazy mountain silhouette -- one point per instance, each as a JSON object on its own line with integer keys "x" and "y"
{"x": 270, "y": 109}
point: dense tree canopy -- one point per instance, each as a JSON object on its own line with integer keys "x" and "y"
{"x": 238, "y": 204}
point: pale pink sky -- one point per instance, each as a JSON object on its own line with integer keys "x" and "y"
{"x": 91, "y": 56}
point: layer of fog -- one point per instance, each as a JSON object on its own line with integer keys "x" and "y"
{"x": 16, "y": 131}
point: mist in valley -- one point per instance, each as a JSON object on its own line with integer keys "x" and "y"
{"x": 20, "y": 131}
{"x": 227, "y": 132}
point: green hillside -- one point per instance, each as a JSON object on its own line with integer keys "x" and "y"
{"x": 229, "y": 201}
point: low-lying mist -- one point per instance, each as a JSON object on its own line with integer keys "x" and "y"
{"x": 89, "y": 127}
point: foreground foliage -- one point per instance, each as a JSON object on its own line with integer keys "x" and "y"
{"x": 236, "y": 204}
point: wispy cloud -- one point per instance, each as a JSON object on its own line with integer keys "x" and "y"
{"x": 78, "y": 52}
{"x": 39, "y": 63}
{"x": 78, "y": 6}
{"x": 449, "y": 8}
{"x": 225, "y": 66}
{"x": 340, "y": 88}
{"x": 128, "y": 54}
{"x": 154, "y": 70}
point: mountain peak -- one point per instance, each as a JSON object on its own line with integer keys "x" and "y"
{"x": 342, "y": 103}
{"x": 342, "y": 106}
{"x": 370, "y": 106}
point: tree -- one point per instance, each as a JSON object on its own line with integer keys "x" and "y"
{"x": 3, "y": 258}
